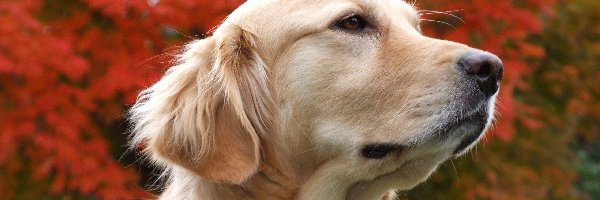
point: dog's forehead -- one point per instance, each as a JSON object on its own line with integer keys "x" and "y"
{"x": 261, "y": 14}
{"x": 277, "y": 23}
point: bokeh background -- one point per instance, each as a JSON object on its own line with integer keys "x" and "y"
{"x": 69, "y": 69}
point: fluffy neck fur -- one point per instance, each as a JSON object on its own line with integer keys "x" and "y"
{"x": 276, "y": 179}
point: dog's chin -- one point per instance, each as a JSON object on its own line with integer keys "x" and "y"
{"x": 468, "y": 130}
{"x": 472, "y": 128}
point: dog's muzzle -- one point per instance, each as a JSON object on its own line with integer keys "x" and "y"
{"x": 486, "y": 70}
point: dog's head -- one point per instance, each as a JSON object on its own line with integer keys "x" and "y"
{"x": 350, "y": 90}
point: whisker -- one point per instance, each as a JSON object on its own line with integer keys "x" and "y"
{"x": 308, "y": 150}
{"x": 398, "y": 112}
{"x": 454, "y": 167}
{"x": 476, "y": 152}
{"x": 180, "y": 33}
{"x": 445, "y": 13}
{"x": 441, "y": 22}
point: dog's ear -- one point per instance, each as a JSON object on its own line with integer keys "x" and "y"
{"x": 209, "y": 113}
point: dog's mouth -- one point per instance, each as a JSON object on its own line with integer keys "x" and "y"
{"x": 467, "y": 128}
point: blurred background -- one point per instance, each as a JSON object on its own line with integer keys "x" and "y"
{"x": 69, "y": 69}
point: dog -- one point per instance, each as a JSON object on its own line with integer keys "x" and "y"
{"x": 314, "y": 99}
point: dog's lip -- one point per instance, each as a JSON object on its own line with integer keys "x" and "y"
{"x": 380, "y": 150}
{"x": 475, "y": 126}
{"x": 470, "y": 138}
{"x": 467, "y": 127}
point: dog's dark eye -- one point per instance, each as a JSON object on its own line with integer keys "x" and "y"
{"x": 352, "y": 23}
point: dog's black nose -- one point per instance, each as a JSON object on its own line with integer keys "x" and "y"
{"x": 484, "y": 68}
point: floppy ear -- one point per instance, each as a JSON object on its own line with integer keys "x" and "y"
{"x": 209, "y": 112}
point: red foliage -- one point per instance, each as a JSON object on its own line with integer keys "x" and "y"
{"x": 66, "y": 70}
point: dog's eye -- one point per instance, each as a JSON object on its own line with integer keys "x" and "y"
{"x": 352, "y": 23}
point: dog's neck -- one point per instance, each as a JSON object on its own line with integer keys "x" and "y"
{"x": 274, "y": 180}
{"x": 278, "y": 178}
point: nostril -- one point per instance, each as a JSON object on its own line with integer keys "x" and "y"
{"x": 484, "y": 71}
{"x": 484, "y": 68}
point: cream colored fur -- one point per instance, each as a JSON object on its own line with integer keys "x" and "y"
{"x": 278, "y": 103}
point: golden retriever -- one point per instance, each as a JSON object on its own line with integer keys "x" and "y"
{"x": 314, "y": 99}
